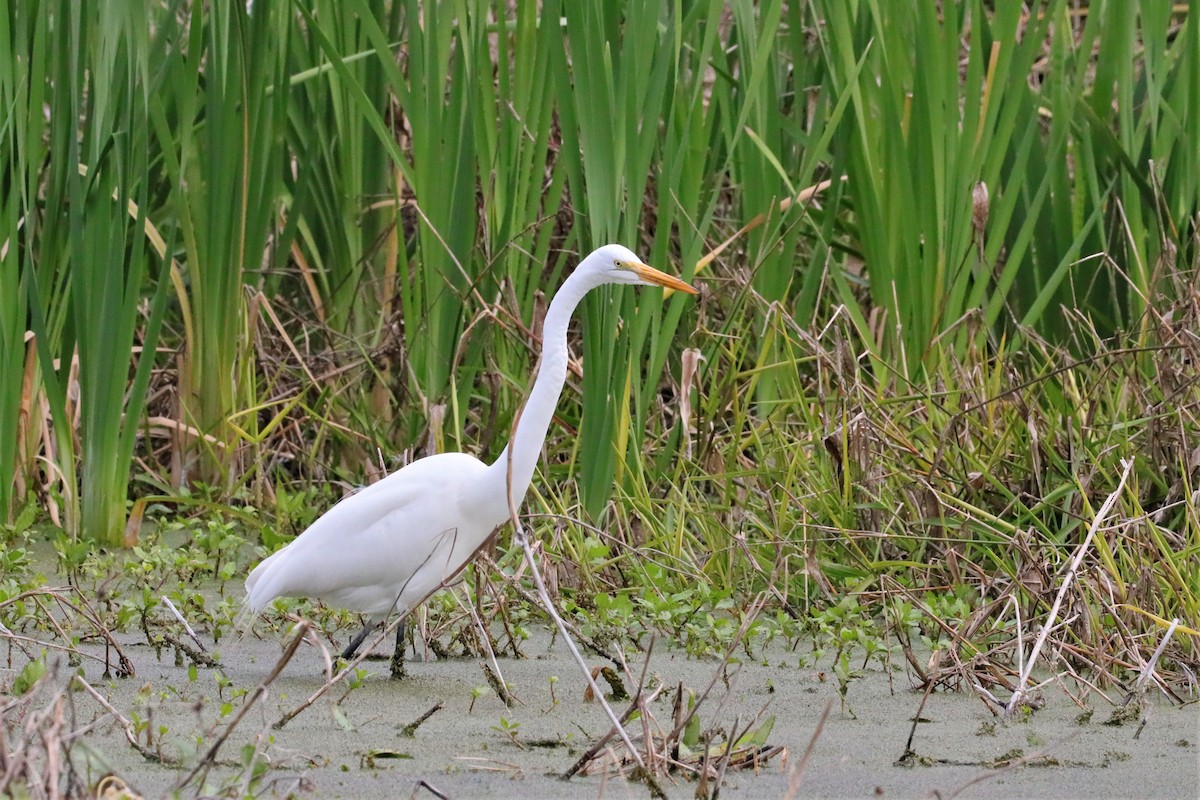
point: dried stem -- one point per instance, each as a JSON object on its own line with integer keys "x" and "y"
{"x": 341, "y": 674}
{"x": 302, "y": 631}
{"x": 797, "y": 774}
{"x": 522, "y": 539}
{"x": 1101, "y": 515}
{"x": 125, "y": 723}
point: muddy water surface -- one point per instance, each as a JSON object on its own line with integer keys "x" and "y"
{"x": 358, "y": 748}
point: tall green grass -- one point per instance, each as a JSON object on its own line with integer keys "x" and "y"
{"x": 372, "y": 201}
{"x": 943, "y": 106}
{"x": 1065, "y": 135}
{"x": 220, "y": 117}
{"x": 18, "y": 133}
{"x": 611, "y": 79}
{"x": 94, "y": 250}
{"x": 342, "y": 199}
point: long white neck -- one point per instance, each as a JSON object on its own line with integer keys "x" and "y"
{"x": 534, "y": 420}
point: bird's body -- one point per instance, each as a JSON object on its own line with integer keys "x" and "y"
{"x": 389, "y": 546}
{"x": 357, "y": 555}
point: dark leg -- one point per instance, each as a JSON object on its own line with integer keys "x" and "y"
{"x": 357, "y": 641}
{"x": 398, "y": 654}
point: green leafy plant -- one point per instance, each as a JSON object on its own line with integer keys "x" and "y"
{"x": 511, "y": 729}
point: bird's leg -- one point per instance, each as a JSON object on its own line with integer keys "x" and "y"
{"x": 357, "y": 641}
{"x": 398, "y": 654}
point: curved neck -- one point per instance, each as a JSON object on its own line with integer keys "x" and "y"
{"x": 534, "y": 419}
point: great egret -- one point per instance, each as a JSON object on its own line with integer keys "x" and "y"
{"x": 393, "y": 544}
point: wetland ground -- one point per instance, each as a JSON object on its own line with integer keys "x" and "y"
{"x": 476, "y": 747}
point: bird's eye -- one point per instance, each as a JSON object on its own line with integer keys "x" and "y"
{"x": 617, "y": 263}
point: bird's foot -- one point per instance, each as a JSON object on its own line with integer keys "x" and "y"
{"x": 398, "y": 671}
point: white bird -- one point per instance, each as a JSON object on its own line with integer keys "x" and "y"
{"x": 388, "y": 547}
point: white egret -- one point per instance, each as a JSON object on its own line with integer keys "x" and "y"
{"x": 390, "y": 546}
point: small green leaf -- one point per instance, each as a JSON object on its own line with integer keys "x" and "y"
{"x": 691, "y": 732}
{"x": 341, "y": 719}
{"x": 29, "y": 675}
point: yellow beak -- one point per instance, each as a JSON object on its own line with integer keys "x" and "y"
{"x": 651, "y": 275}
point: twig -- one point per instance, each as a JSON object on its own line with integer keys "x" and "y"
{"x": 410, "y": 730}
{"x": 495, "y": 677}
{"x": 200, "y": 657}
{"x": 302, "y": 631}
{"x": 339, "y": 676}
{"x": 188, "y": 628}
{"x": 429, "y": 787}
{"x": 797, "y": 774}
{"x": 521, "y": 537}
{"x": 1027, "y": 670}
{"x": 730, "y": 744}
{"x": 126, "y": 725}
{"x": 908, "y": 753}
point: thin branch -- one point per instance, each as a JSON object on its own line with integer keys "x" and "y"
{"x": 522, "y": 539}
{"x": 126, "y": 725}
{"x": 302, "y": 632}
{"x": 797, "y": 774}
{"x": 1101, "y": 515}
{"x": 339, "y": 676}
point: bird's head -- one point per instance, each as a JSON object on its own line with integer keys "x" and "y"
{"x": 613, "y": 263}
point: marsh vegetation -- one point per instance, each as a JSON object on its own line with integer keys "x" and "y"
{"x": 934, "y": 416}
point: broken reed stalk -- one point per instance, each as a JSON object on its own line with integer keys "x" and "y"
{"x": 1101, "y": 515}
{"x": 186, "y": 625}
{"x": 1148, "y": 670}
{"x": 1139, "y": 688}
